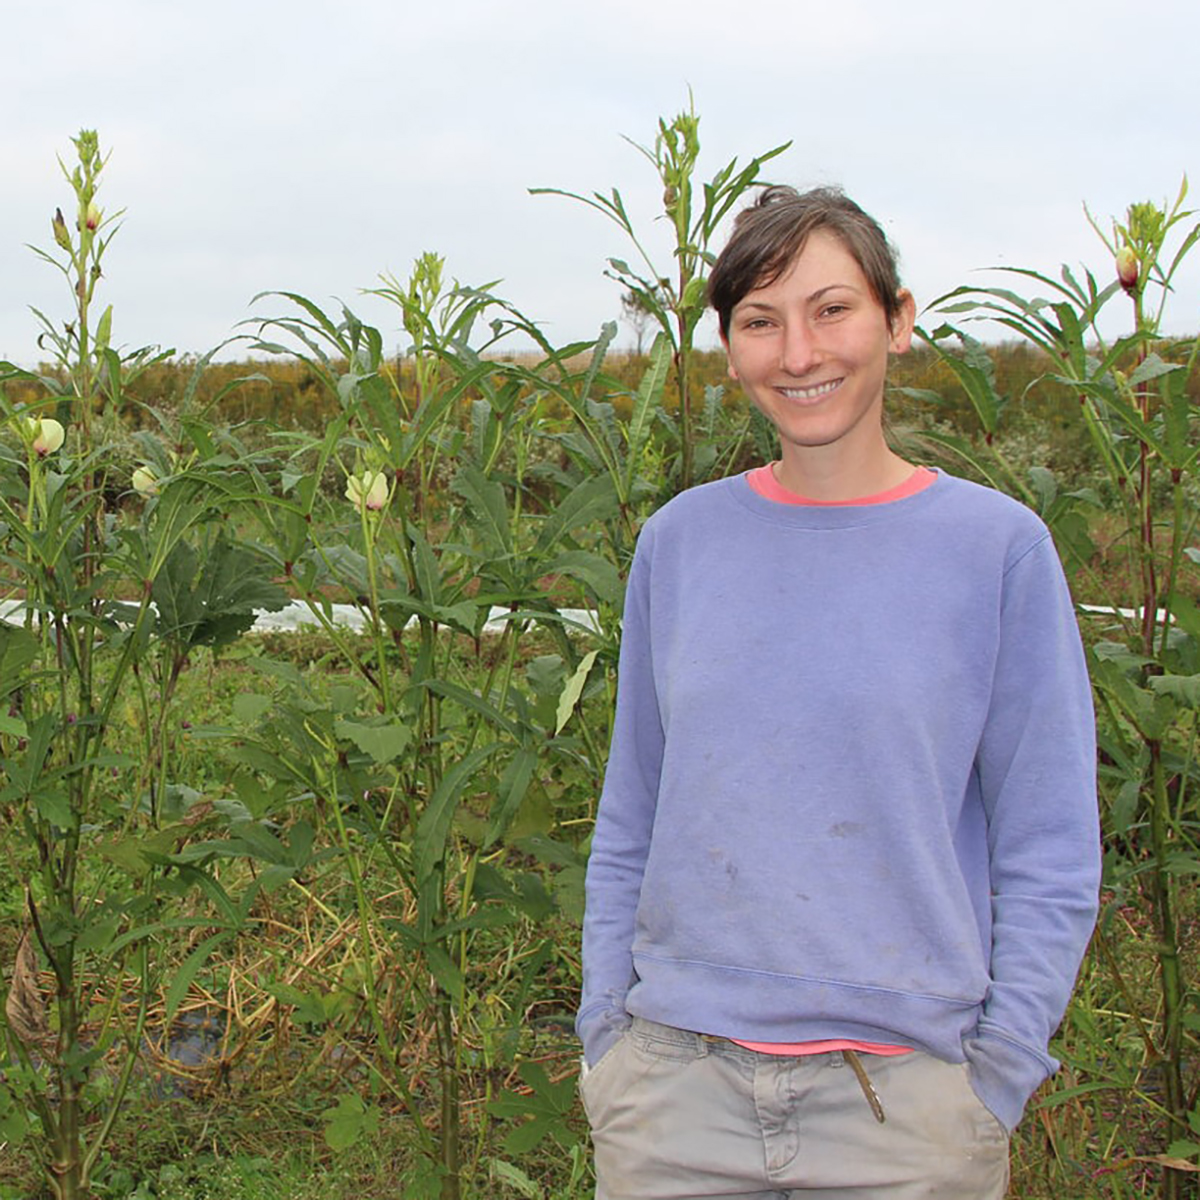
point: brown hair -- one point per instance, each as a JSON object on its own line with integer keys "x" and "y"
{"x": 769, "y": 234}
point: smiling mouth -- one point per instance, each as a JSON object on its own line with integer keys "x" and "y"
{"x": 810, "y": 393}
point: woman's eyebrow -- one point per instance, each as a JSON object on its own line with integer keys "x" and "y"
{"x": 763, "y": 306}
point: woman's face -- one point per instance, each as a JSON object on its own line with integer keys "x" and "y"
{"x": 811, "y": 349}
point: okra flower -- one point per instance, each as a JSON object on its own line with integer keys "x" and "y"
{"x": 145, "y": 481}
{"x": 368, "y": 490}
{"x": 1127, "y": 268}
{"x": 45, "y": 434}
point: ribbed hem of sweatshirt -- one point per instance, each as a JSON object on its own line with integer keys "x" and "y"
{"x": 759, "y": 1006}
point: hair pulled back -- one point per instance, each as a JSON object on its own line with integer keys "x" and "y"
{"x": 769, "y": 234}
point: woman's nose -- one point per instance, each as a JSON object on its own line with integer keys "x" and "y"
{"x": 799, "y": 350}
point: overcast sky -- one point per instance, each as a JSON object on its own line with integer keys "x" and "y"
{"x": 311, "y": 146}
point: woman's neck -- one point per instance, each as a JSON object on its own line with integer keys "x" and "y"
{"x": 830, "y": 477}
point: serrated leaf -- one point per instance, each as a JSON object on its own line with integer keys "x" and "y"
{"x": 54, "y": 806}
{"x": 13, "y": 726}
{"x": 1183, "y": 688}
{"x": 310, "y": 1008}
{"x": 516, "y": 1179}
{"x": 1151, "y": 368}
{"x": 383, "y": 742}
{"x": 348, "y": 1121}
{"x": 18, "y": 648}
{"x": 487, "y": 509}
{"x": 214, "y": 601}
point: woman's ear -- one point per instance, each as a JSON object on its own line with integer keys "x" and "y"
{"x": 902, "y": 324}
{"x": 729, "y": 367}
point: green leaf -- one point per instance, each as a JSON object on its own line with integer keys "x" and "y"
{"x": 310, "y": 1008}
{"x": 54, "y": 806}
{"x": 515, "y": 1178}
{"x": 14, "y": 1121}
{"x": 13, "y": 726}
{"x": 572, "y": 690}
{"x": 97, "y": 935}
{"x": 18, "y": 648}
{"x": 513, "y": 787}
{"x": 545, "y": 674}
{"x": 249, "y": 706}
{"x": 1184, "y": 688}
{"x": 212, "y": 602}
{"x": 444, "y": 970}
{"x": 183, "y": 975}
{"x": 1152, "y": 367}
{"x": 475, "y": 703}
{"x": 487, "y": 509}
{"x": 586, "y": 506}
{"x": 597, "y": 573}
{"x": 383, "y": 742}
{"x": 548, "y": 1108}
{"x": 348, "y": 1121}
{"x": 1120, "y": 656}
{"x": 433, "y": 829}
{"x": 649, "y": 395}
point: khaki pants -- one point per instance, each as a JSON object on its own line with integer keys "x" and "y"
{"x": 679, "y": 1116}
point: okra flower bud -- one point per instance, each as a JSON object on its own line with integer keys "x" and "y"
{"x": 1127, "y": 268}
{"x": 61, "y": 236}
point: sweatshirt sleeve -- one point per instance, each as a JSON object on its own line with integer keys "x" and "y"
{"x": 624, "y": 821}
{"x": 1037, "y": 774}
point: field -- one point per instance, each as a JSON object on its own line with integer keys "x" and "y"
{"x": 291, "y": 915}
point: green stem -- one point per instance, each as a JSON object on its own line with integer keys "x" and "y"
{"x": 369, "y": 530}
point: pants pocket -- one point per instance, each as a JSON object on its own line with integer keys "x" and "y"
{"x": 591, "y": 1079}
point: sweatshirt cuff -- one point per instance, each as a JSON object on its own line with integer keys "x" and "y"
{"x": 600, "y": 1030}
{"x": 1004, "y": 1075}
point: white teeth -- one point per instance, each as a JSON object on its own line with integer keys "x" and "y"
{"x": 810, "y": 393}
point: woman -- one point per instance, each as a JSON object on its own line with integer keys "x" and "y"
{"x": 846, "y": 858}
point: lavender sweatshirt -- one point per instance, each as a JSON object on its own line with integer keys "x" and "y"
{"x": 851, "y": 791}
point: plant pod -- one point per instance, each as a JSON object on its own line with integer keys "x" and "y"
{"x": 1127, "y": 269}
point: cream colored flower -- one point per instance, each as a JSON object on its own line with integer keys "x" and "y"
{"x": 45, "y": 433}
{"x": 368, "y": 490}
{"x": 145, "y": 481}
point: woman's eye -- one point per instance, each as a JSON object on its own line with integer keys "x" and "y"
{"x": 834, "y": 310}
